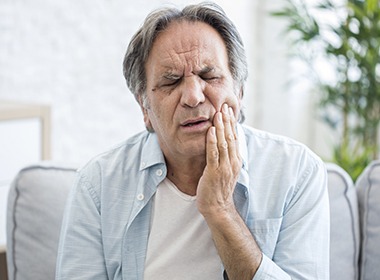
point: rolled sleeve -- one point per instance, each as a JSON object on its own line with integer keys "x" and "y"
{"x": 80, "y": 252}
{"x": 269, "y": 270}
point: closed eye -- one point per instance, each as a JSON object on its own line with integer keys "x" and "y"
{"x": 209, "y": 78}
{"x": 208, "y": 74}
{"x": 170, "y": 80}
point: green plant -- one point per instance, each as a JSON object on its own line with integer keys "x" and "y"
{"x": 349, "y": 43}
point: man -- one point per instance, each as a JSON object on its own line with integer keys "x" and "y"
{"x": 197, "y": 196}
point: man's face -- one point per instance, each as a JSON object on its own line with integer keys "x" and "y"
{"x": 188, "y": 80}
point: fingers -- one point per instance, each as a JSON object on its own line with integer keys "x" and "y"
{"x": 233, "y": 123}
{"x": 212, "y": 155}
{"x": 222, "y": 143}
{"x": 230, "y": 131}
{"x": 222, "y": 140}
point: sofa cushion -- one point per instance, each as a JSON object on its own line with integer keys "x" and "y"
{"x": 34, "y": 213}
{"x": 344, "y": 220}
{"x": 368, "y": 189}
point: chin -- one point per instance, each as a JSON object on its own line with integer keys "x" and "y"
{"x": 195, "y": 150}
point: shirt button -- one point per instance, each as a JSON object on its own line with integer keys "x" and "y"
{"x": 159, "y": 172}
{"x": 143, "y": 164}
{"x": 140, "y": 196}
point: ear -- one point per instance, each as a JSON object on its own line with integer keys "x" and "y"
{"x": 240, "y": 95}
{"x": 240, "y": 114}
{"x": 144, "y": 108}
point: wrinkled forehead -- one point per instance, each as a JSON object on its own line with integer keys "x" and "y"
{"x": 189, "y": 46}
{"x": 185, "y": 31}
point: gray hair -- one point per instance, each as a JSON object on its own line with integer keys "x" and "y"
{"x": 141, "y": 43}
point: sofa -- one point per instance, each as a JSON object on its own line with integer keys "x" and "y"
{"x": 38, "y": 194}
{"x": 35, "y": 208}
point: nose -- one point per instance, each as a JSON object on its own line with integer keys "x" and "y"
{"x": 192, "y": 92}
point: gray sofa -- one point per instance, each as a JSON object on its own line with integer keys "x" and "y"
{"x": 355, "y": 223}
{"x": 35, "y": 208}
{"x": 368, "y": 190}
{"x": 38, "y": 194}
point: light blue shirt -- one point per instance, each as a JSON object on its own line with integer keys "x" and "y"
{"x": 281, "y": 194}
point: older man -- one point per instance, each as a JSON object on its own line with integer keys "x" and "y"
{"x": 196, "y": 196}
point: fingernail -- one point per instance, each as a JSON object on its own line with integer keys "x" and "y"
{"x": 231, "y": 111}
{"x": 212, "y": 131}
{"x": 219, "y": 116}
{"x": 225, "y": 108}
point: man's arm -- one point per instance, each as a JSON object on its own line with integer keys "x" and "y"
{"x": 80, "y": 252}
{"x": 302, "y": 247}
{"x": 236, "y": 246}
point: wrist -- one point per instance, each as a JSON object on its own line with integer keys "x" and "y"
{"x": 220, "y": 215}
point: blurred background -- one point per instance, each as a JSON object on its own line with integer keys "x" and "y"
{"x": 68, "y": 55}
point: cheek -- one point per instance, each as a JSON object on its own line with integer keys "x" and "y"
{"x": 160, "y": 114}
{"x": 219, "y": 96}
{"x": 154, "y": 116}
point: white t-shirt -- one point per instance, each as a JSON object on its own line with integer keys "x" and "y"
{"x": 180, "y": 244}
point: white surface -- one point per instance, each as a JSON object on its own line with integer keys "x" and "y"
{"x": 4, "y": 189}
{"x": 20, "y": 145}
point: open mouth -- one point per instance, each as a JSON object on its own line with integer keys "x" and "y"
{"x": 194, "y": 123}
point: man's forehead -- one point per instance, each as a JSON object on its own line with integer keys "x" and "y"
{"x": 187, "y": 47}
{"x": 188, "y": 39}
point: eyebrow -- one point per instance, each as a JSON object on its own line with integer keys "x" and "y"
{"x": 172, "y": 76}
{"x": 206, "y": 70}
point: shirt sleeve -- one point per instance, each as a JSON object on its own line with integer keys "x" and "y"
{"x": 80, "y": 251}
{"x": 302, "y": 249}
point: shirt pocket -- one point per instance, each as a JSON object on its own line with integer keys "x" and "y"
{"x": 266, "y": 233}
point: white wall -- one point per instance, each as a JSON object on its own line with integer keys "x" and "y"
{"x": 278, "y": 105}
{"x": 69, "y": 53}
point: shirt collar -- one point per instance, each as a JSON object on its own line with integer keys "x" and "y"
{"x": 151, "y": 154}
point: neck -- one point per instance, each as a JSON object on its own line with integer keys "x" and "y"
{"x": 186, "y": 174}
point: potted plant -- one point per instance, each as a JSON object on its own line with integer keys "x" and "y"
{"x": 349, "y": 43}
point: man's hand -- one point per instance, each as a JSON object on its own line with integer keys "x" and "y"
{"x": 216, "y": 186}
{"x": 236, "y": 246}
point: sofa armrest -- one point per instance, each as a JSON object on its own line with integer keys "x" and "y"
{"x": 34, "y": 213}
{"x": 368, "y": 189}
{"x": 344, "y": 224}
